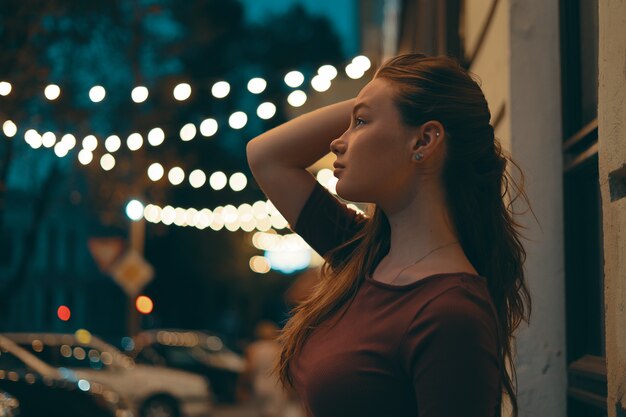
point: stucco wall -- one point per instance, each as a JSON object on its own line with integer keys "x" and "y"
{"x": 520, "y": 70}
{"x": 536, "y": 144}
{"x": 612, "y": 156}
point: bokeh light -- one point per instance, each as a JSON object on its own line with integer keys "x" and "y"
{"x": 220, "y": 89}
{"x": 85, "y": 156}
{"x": 297, "y": 98}
{"x": 294, "y": 79}
{"x": 90, "y": 143}
{"x": 5, "y": 88}
{"x": 107, "y": 162}
{"x": 218, "y": 180}
{"x": 176, "y": 175}
{"x": 156, "y": 136}
{"x": 155, "y": 171}
{"x": 52, "y": 92}
{"x": 9, "y": 128}
{"x": 64, "y": 313}
{"x": 266, "y": 110}
{"x": 144, "y": 304}
{"x": 113, "y": 143}
{"x": 257, "y": 85}
{"x": 197, "y": 178}
{"x": 188, "y": 132}
{"x": 182, "y": 91}
{"x": 134, "y": 210}
{"x": 238, "y": 181}
{"x": 97, "y": 93}
{"x": 208, "y": 127}
{"x": 139, "y": 94}
{"x": 237, "y": 120}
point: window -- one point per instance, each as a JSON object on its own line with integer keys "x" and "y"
{"x": 586, "y": 363}
{"x": 69, "y": 356}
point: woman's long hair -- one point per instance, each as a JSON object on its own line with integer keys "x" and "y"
{"x": 479, "y": 197}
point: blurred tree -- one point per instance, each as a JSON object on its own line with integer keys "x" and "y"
{"x": 120, "y": 44}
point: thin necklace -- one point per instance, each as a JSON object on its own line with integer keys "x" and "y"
{"x": 414, "y": 263}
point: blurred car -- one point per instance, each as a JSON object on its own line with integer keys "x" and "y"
{"x": 31, "y": 388}
{"x": 151, "y": 390}
{"x": 194, "y": 351}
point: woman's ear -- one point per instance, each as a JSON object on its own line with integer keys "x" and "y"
{"x": 427, "y": 138}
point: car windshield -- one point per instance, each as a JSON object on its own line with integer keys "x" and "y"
{"x": 70, "y": 356}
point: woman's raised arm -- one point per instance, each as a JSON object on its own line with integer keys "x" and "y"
{"x": 279, "y": 157}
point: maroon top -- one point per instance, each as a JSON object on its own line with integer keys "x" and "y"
{"x": 424, "y": 349}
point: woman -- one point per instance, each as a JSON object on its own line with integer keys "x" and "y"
{"x": 417, "y": 305}
{"x": 269, "y": 396}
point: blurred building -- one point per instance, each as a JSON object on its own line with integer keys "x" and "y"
{"x": 44, "y": 259}
{"x": 553, "y": 74}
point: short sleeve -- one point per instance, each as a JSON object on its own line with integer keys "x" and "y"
{"x": 325, "y": 222}
{"x": 450, "y": 354}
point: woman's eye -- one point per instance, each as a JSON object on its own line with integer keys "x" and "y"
{"x": 358, "y": 121}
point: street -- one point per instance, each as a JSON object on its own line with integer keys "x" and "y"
{"x": 249, "y": 410}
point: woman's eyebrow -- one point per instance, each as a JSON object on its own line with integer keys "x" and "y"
{"x": 358, "y": 106}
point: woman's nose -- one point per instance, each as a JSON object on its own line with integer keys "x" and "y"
{"x": 336, "y": 146}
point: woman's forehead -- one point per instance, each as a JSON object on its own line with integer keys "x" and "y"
{"x": 377, "y": 94}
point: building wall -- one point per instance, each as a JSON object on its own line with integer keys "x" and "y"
{"x": 612, "y": 162}
{"x": 518, "y": 62}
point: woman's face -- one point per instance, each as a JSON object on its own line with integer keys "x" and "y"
{"x": 376, "y": 150}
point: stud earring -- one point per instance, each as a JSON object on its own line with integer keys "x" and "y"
{"x": 437, "y": 133}
{"x": 418, "y": 156}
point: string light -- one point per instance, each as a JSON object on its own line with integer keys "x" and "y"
{"x": 90, "y": 143}
{"x": 227, "y": 216}
{"x": 5, "y": 88}
{"x": 266, "y": 110}
{"x": 238, "y": 120}
{"x": 113, "y": 143}
{"x": 327, "y": 71}
{"x": 107, "y": 162}
{"x": 156, "y": 136}
{"x": 257, "y": 85}
{"x": 362, "y": 62}
{"x": 294, "y": 79}
{"x": 52, "y": 92}
{"x": 354, "y": 71}
{"x": 68, "y": 140}
{"x": 197, "y": 178}
{"x": 238, "y": 181}
{"x": 297, "y": 98}
{"x": 9, "y": 128}
{"x": 176, "y": 175}
{"x": 48, "y": 139}
{"x": 188, "y": 132}
{"x": 97, "y": 93}
{"x": 320, "y": 83}
{"x": 220, "y": 89}
{"x": 85, "y": 156}
{"x": 60, "y": 149}
{"x": 139, "y": 94}
{"x": 134, "y": 141}
{"x": 218, "y": 180}
{"x": 182, "y": 91}
{"x": 155, "y": 171}
{"x": 208, "y": 127}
